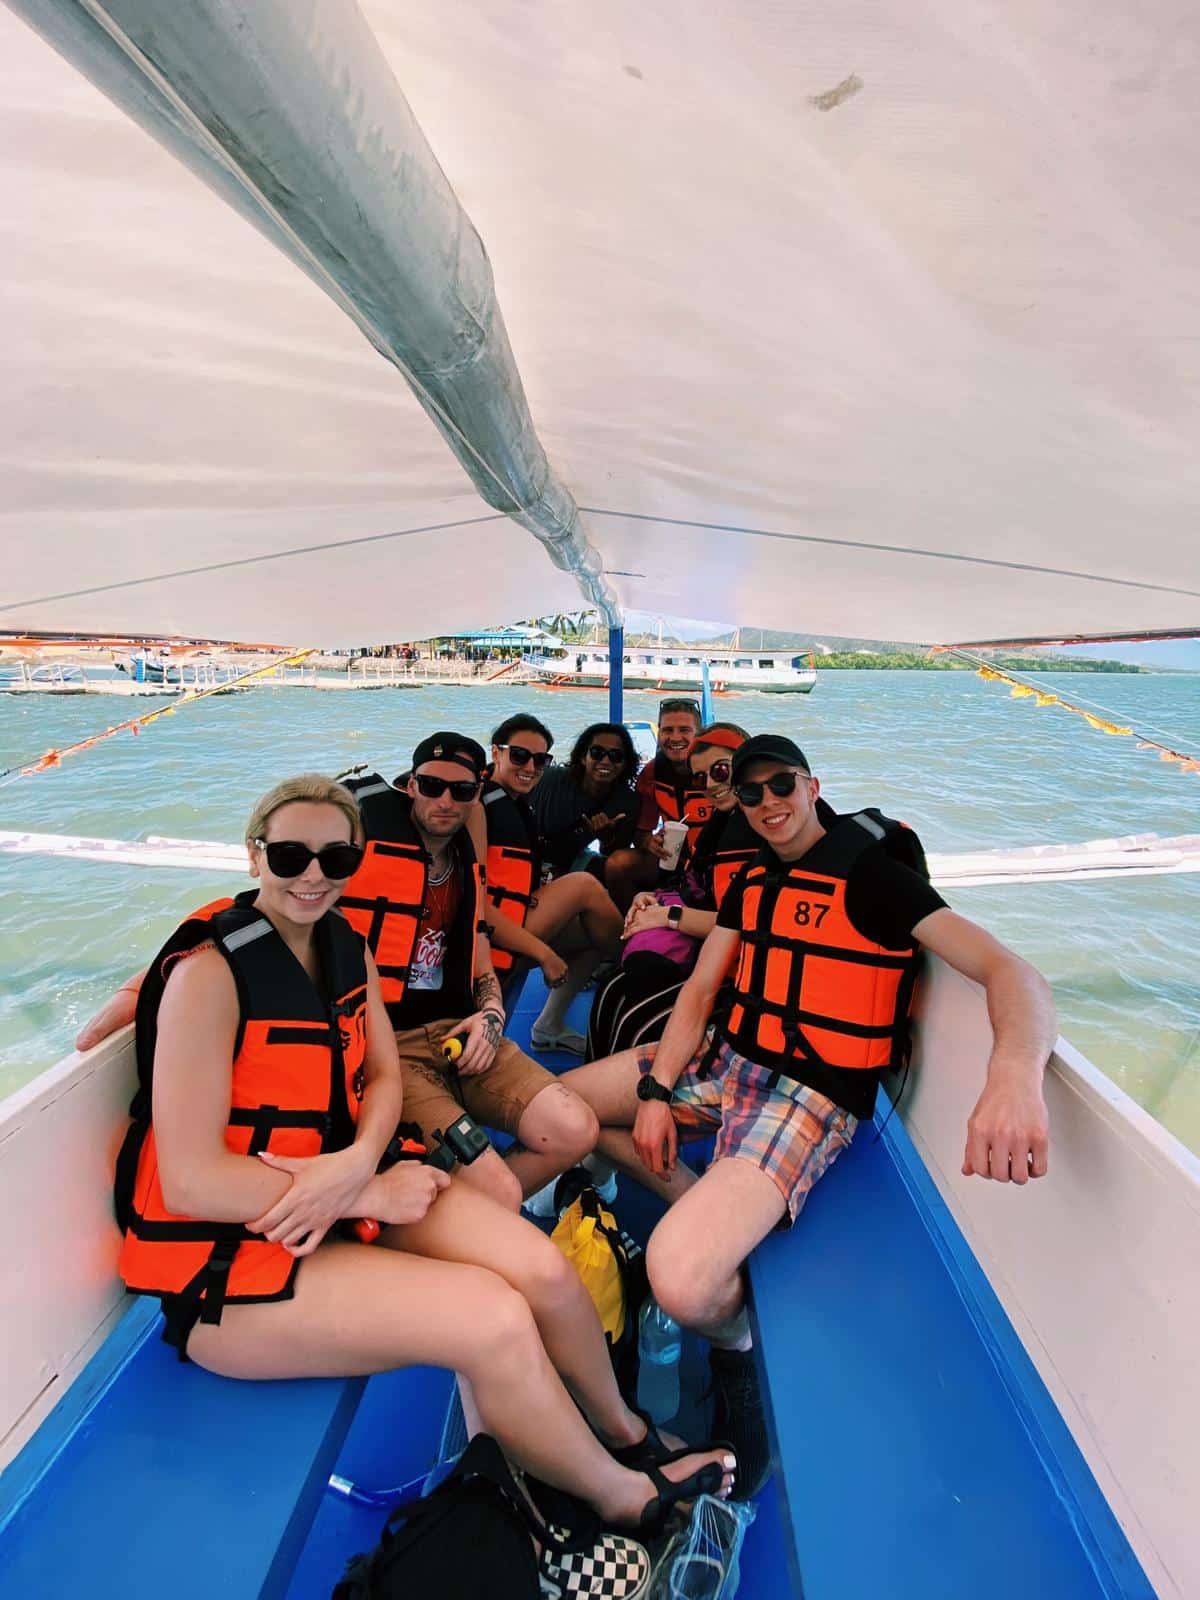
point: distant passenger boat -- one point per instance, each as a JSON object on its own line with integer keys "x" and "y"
{"x": 680, "y": 667}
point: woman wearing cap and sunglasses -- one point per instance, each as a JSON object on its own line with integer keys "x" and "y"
{"x": 269, "y": 1089}
{"x": 633, "y": 1006}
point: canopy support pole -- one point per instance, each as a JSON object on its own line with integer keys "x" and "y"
{"x": 616, "y": 674}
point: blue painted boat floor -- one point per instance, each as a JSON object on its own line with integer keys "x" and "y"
{"x": 392, "y": 1442}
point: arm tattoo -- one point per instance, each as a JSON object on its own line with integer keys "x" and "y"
{"x": 486, "y": 990}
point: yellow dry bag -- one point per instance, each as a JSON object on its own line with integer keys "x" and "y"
{"x": 588, "y": 1235}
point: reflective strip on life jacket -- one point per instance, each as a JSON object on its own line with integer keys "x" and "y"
{"x": 295, "y": 1086}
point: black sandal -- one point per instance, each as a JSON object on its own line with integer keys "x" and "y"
{"x": 705, "y": 1480}
{"x": 651, "y": 1450}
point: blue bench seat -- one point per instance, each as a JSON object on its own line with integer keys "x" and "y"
{"x": 919, "y": 1452}
{"x": 156, "y": 1478}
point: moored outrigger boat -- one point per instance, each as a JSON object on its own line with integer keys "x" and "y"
{"x": 1068, "y": 1320}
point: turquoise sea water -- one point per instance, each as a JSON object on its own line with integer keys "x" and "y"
{"x": 965, "y": 764}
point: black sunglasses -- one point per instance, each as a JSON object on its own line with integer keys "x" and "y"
{"x": 520, "y": 756}
{"x": 288, "y": 858}
{"x": 462, "y": 790}
{"x": 780, "y": 784}
{"x": 606, "y": 752}
{"x": 680, "y": 705}
{"x": 717, "y": 773}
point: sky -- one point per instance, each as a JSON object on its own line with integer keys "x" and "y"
{"x": 1173, "y": 653}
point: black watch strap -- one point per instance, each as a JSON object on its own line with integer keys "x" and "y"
{"x": 649, "y": 1088}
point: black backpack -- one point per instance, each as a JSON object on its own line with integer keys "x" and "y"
{"x": 470, "y": 1537}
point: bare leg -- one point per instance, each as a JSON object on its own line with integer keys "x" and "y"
{"x": 467, "y": 1227}
{"x": 628, "y": 871}
{"x": 552, "y": 1018}
{"x": 616, "y": 1144}
{"x": 580, "y": 899}
{"x": 556, "y": 1131}
{"x": 492, "y": 1174}
{"x": 359, "y": 1310}
{"x": 609, "y": 1087}
{"x": 732, "y": 1208}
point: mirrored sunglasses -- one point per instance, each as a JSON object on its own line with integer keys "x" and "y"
{"x": 780, "y": 784}
{"x": 521, "y": 757}
{"x": 462, "y": 790}
{"x": 288, "y": 858}
{"x": 718, "y": 773}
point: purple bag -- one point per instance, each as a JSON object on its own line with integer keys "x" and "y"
{"x": 681, "y": 948}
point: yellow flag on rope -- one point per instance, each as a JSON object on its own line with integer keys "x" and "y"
{"x": 1104, "y": 727}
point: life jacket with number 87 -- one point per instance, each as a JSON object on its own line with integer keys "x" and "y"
{"x": 806, "y": 984}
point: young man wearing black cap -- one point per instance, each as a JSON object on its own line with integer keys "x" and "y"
{"x": 417, "y": 899}
{"x": 819, "y": 938}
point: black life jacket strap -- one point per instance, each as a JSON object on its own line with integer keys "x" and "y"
{"x": 201, "y": 1300}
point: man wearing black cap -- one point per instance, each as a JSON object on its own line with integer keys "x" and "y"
{"x": 417, "y": 900}
{"x": 815, "y": 950}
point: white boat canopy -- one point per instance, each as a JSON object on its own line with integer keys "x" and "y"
{"x": 868, "y": 320}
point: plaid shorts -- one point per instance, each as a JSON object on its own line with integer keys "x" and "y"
{"x": 792, "y": 1133}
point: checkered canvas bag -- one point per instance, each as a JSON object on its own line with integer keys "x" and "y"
{"x": 475, "y": 1534}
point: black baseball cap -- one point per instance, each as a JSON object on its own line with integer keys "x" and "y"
{"x": 451, "y": 747}
{"x": 768, "y": 747}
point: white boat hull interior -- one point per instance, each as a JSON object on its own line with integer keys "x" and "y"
{"x": 1095, "y": 1266}
{"x": 60, "y": 1294}
{"x": 1092, "y": 1265}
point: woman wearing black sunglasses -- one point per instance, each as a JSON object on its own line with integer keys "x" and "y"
{"x": 590, "y": 798}
{"x": 270, "y": 1090}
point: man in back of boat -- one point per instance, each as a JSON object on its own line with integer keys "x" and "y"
{"x": 418, "y": 901}
{"x": 819, "y": 938}
{"x": 568, "y": 926}
{"x": 664, "y": 788}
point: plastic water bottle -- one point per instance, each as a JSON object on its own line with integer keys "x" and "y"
{"x": 660, "y": 1342}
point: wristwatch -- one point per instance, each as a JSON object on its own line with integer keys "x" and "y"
{"x": 649, "y": 1088}
{"x": 674, "y": 916}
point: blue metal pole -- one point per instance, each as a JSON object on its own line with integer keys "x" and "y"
{"x": 616, "y": 674}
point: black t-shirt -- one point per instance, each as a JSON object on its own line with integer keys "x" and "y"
{"x": 561, "y": 811}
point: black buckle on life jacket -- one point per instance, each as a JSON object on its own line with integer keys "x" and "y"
{"x": 216, "y": 1281}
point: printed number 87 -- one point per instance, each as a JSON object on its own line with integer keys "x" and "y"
{"x": 807, "y": 913}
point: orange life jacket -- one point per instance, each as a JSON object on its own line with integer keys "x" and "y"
{"x": 697, "y": 809}
{"x": 736, "y": 845}
{"x": 296, "y": 1084}
{"x": 672, "y": 794}
{"x": 385, "y": 899}
{"x": 513, "y": 866}
{"x": 807, "y": 988}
